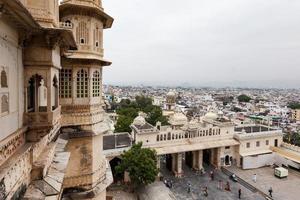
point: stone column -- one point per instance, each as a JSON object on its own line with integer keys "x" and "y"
{"x": 158, "y": 165}
{"x": 177, "y": 164}
{"x": 195, "y": 155}
{"x": 197, "y": 159}
{"x": 174, "y": 162}
{"x": 158, "y": 162}
{"x": 218, "y": 158}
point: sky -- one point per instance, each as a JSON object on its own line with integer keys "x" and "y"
{"x": 218, "y": 43}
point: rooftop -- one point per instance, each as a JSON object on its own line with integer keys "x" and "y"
{"x": 253, "y": 129}
{"x": 115, "y": 141}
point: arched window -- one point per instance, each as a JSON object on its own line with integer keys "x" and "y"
{"x": 96, "y": 84}
{"x": 54, "y": 100}
{"x": 36, "y": 94}
{"x": 82, "y": 84}
{"x": 4, "y": 104}
{"x": 157, "y": 138}
{"x": 169, "y": 136}
{"x": 4, "y": 79}
{"x": 65, "y": 83}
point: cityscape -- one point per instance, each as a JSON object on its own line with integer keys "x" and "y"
{"x": 173, "y": 116}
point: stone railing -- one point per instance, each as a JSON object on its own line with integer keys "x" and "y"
{"x": 182, "y": 135}
{"x": 43, "y": 118}
{"x": 245, "y": 136}
{"x": 290, "y": 147}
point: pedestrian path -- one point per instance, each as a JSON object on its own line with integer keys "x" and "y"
{"x": 286, "y": 188}
{"x": 197, "y": 182}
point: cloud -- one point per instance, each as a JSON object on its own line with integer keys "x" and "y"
{"x": 203, "y": 42}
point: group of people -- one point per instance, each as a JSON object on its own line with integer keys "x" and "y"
{"x": 169, "y": 184}
{"x": 220, "y": 186}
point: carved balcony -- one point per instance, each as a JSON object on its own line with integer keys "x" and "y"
{"x": 41, "y": 119}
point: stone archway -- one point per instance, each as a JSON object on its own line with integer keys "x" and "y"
{"x": 113, "y": 164}
{"x": 227, "y": 160}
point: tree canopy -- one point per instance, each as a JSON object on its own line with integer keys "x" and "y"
{"x": 140, "y": 163}
{"x": 294, "y": 105}
{"x": 128, "y": 110}
{"x": 243, "y": 98}
{"x": 292, "y": 138}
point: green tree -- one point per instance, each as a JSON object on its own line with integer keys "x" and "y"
{"x": 155, "y": 115}
{"x": 294, "y": 105}
{"x": 123, "y": 124}
{"x": 140, "y": 163}
{"x": 243, "y": 98}
{"x": 128, "y": 110}
{"x": 143, "y": 102}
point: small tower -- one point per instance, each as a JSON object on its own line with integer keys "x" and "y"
{"x": 81, "y": 98}
{"x": 170, "y": 101}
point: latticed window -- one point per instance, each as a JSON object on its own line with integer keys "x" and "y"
{"x": 82, "y": 84}
{"x": 3, "y": 79}
{"x": 96, "y": 84}
{"x": 4, "y": 104}
{"x": 65, "y": 83}
{"x": 97, "y": 36}
{"x": 82, "y": 33}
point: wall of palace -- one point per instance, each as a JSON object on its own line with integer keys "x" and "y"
{"x": 11, "y": 79}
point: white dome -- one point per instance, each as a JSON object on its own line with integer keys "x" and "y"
{"x": 193, "y": 123}
{"x": 178, "y": 119}
{"x": 171, "y": 93}
{"x": 211, "y": 116}
{"x": 139, "y": 120}
{"x": 179, "y": 116}
{"x": 220, "y": 112}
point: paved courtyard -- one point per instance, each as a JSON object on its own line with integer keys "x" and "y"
{"x": 198, "y": 181}
{"x": 286, "y": 188}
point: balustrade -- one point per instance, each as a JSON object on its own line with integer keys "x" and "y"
{"x": 43, "y": 118}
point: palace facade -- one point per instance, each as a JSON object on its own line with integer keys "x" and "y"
{"x": 51, "y": 110}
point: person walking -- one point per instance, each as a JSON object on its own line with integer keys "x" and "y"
{"x": 212, "y": 176}
{"x": 227, "y": 187}
{"x": 240, "y": 193}
{"x": 205, "y": 191}
{"x": 270, "y": 191}
{"x": 189, "y": 188}
{"x": 219, "y": 184}
{"x": 254, "y": 178}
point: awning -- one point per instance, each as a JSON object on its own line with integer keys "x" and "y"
{"x": 86, "y": 57}
{"x": 257, "y": 152}
{"x": 195, "y": 146}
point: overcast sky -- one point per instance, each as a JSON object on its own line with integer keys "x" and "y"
{"x": 204, "y": 42}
